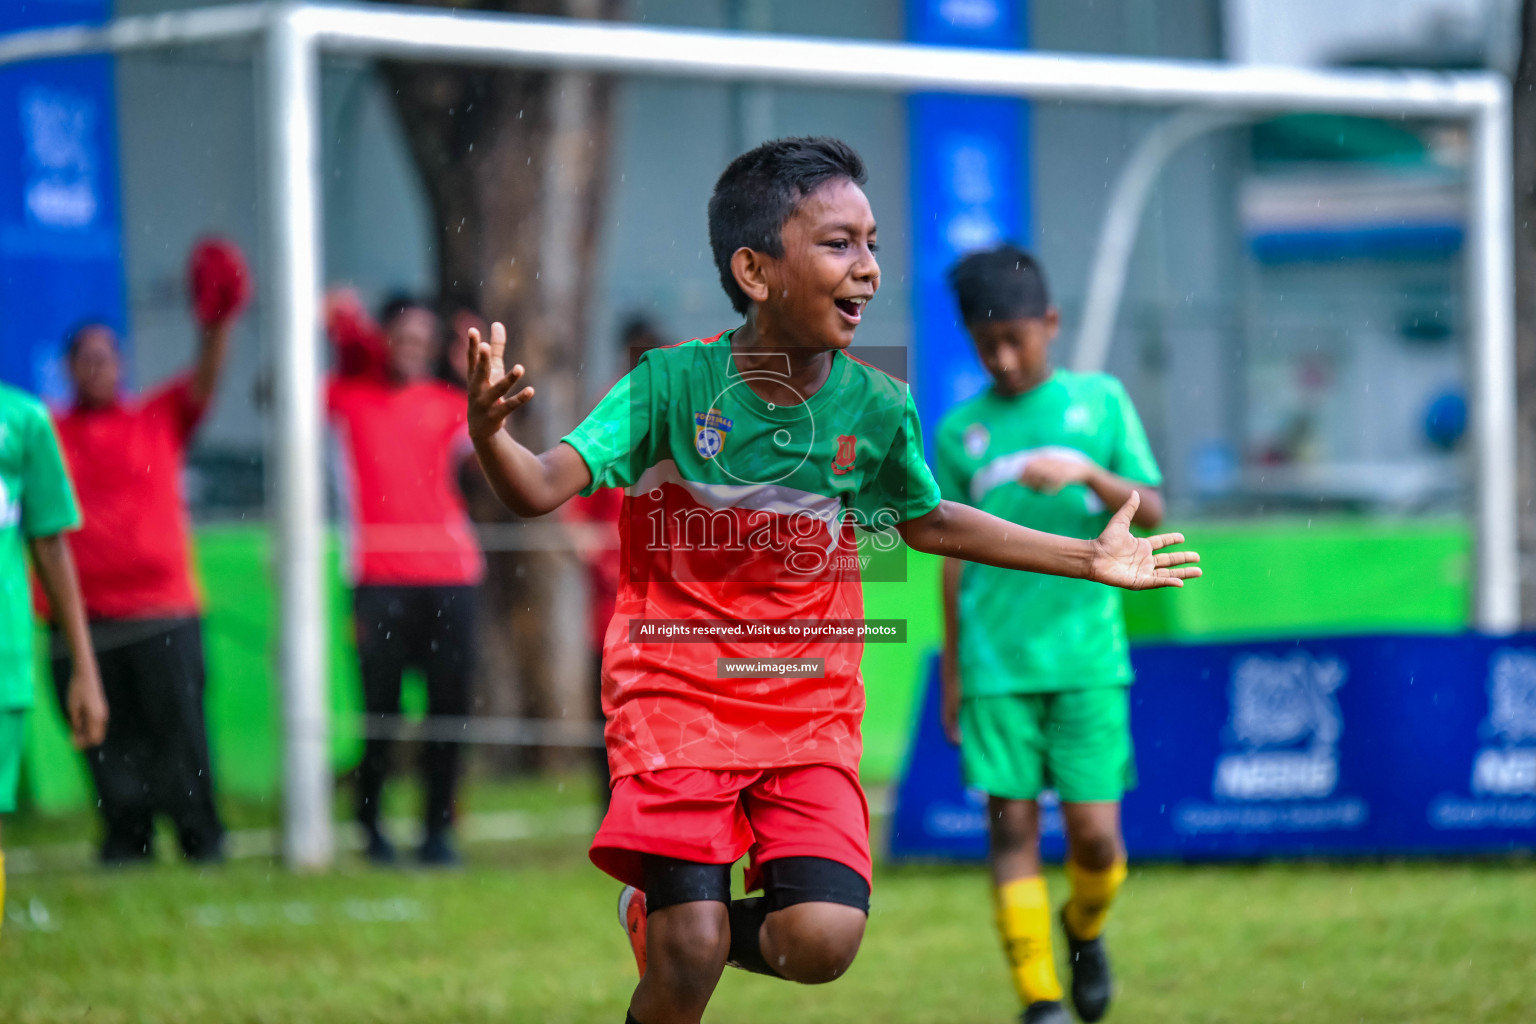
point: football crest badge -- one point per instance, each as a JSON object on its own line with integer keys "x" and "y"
{"x": 976, "y": 439}
{"x": 847, "y": 451}
{"x": 709, "y": 430}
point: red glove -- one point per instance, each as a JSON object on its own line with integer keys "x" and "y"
{"x": 219, "y": 279}
{"x": 362, "y": 350}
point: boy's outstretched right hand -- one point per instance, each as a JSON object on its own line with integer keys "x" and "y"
{"x": 1122, "y": 559}
{"x": 490, "y": 384}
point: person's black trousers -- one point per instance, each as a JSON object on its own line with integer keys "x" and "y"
{"x": 600, "y": 753}
{"x": 431, "y": 628}
{"x": 155, "y": 757}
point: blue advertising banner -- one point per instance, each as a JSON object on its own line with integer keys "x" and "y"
{"x": 1336, "y": 747}
{"x": 970, "y": 189}
{"x": 60, "y": 224}
{"x": 935, "y": 814}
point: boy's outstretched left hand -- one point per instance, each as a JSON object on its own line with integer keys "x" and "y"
{"x": 1122, "y": 559}
{"x": 490, "y": 384}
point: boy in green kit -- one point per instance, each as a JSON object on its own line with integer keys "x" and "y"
{"x": 1036, "y": 668}
{"x": 37, "y": 505}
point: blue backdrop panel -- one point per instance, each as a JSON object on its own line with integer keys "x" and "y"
{"x": 935, "y": 814}
{"x": 1346, "y": 746}
{"x": 970, "y": 189}
{"x": 60, "y": 223}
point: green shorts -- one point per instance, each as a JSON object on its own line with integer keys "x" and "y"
{"x": 13, "y": 733}
{"x": 1076, "y": 742}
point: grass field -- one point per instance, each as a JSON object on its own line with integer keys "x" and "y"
{"x": 527, "y": 934}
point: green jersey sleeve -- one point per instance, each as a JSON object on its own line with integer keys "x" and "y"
{"x": 903, "y": 487}
{"x": 1133, "y": 457}
{"x": 619, "y": 439}
{"x": 949, "y": 468}
{"x": 47, "y": 498}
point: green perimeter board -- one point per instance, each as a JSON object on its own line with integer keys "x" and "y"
{"x": 1265, "y": 579}
{"x": 240, "y": 639}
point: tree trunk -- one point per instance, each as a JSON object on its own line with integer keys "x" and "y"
{"x": 1525, "y": 301}
{"x": 513, "y": 163}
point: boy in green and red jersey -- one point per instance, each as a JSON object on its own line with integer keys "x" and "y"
{"x": 1036, "y": 668}
{"x": 750, "y": 458}
{"x": 37, "y": 506}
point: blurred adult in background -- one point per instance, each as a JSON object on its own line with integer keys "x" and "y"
{"x": 453, "y": 366}
{"x": 126, "y": 455}
{"x": 415, "y": 561}
{"x": 597, "y": 543}
{"x": 37, "y": 506}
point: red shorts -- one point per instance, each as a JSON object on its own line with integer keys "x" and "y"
{"x": 713, "y": 816}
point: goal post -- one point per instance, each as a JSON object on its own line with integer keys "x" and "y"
{"x": 288, "y": 39}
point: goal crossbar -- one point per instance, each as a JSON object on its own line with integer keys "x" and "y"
{"x": 289, "y": 39}
{"x": 429, "y": 34}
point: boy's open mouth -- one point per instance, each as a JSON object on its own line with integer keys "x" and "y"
{"x": 853, "y": 309}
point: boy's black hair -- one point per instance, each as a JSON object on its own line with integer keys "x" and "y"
{"x": 1005, "y": 283}
{"x": 398, "y": 303}
{"x": 762, "y": 189}
{"x": 77, "y": 334}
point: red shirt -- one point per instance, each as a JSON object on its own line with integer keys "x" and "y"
{"x": 739, "y": 545}
{"x": 407, "y": 517}
{"x": 601, "y": 508}
{"x": 132, "y": 553}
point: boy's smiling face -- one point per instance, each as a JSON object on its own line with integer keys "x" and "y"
{"x": 814, "y": 296}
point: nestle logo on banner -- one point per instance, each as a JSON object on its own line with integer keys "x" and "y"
{"x": 972, "y": 14}
{"x": 57, "y": 128}
{"x": 1285, "y": 719}
{"x": 1509, "y": 769}
{"x": 949, "y": 819}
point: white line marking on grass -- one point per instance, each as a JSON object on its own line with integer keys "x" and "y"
{"x": 256, "y": 843}
{"x": 34, "y": 917}
{"x": 397, "y": 910}
{"x": 244, "y": 844}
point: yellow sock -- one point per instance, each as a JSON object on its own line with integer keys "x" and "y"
{"x": 1024, "y": 922}
{"x": 1092, "y": 893}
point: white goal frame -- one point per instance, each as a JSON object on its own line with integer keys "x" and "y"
{"x": 289, "y": 38}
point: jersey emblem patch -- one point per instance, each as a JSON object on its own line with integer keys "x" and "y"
{"x": 847, "y": 451}
{"x": 976, "y": 439}
{"x": 709, "y": 430}
{"x": 10, "y": 511}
